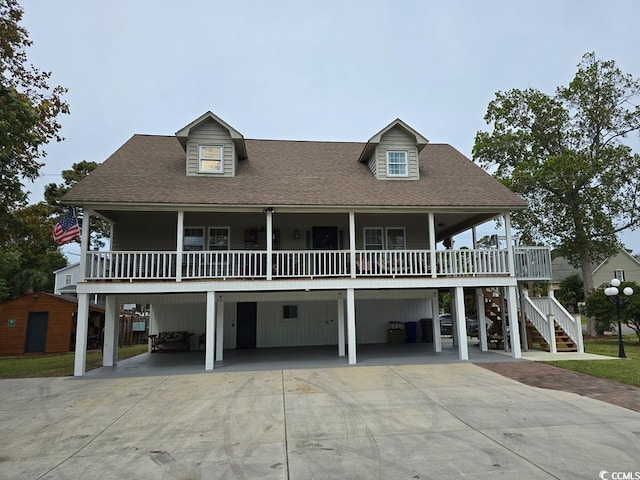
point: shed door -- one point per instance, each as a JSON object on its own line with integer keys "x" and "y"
{"x": 36, "y": 338}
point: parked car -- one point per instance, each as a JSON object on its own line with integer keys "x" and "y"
{"x": 446, "y": 325}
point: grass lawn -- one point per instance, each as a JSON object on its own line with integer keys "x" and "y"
{"x": 59, "y": 365}
{"x": 623, "y": 370}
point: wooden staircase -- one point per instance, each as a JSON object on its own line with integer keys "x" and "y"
{"x": 564, "y": 343}
{"x": 493, "y": 312}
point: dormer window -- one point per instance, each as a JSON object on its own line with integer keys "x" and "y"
{"x": 397, "y": 164}
{"x": 210, "y": 159}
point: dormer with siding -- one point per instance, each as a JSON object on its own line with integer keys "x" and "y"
{"x": 392, "y": 153}
{"x": 212, "y": 147}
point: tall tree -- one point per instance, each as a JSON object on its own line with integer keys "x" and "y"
{"x": 54, "y": 192}
{"x": 566, "y": 155}
{"x": 29, "y": 112}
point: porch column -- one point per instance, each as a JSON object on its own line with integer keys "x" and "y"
{"x": 482, "y": 320}
{"x": 461, "y": 324}
{"x": 432, "y": 249}
{"x": 352, "y": 245}
{"x": 111, "y": 330}
{"x": 269, "y": 212}
{"x": 210, "y": 330}
{"x": 220, "y": 331}
{"x": 514, "y": 329}
{"x": 351, "y": 325}
{"x": 509, "y": 239}
{"x": 82, "y": 326}
{"x": 435, "y": 313}
{"x": 179, "y": 245}
{"x": 341, "y": 351}
{"x": 85, "y": 237}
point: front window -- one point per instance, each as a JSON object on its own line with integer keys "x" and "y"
{"x": 397, "y": 164}
{"x": 193, "y": 239}
{"x": 289, "y": 312}
{"x": 219, "y": 238}
{"x": 373, "y": 239}
{"x": 619, "y": 274}
{"x": 210, "y": 159}
{"x": 395, "y": 239}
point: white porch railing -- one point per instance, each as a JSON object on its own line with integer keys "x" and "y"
{"x": 541, "y": 321}
{"x": 570, "y": 324}
{"x": 252, "y": 264}
{"x": 532, "y": 263}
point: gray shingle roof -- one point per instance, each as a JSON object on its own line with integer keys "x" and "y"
{"x": 150, "y": 169}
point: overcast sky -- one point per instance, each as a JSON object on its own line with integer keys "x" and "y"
{"x": 309, "y": 70}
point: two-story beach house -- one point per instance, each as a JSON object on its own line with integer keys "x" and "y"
{"x": 271, "y": 243}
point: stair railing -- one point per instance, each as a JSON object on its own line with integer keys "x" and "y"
{"x": 539, "y": 320}
{"x": 567, "y": 322}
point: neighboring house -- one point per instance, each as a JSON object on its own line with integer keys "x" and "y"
{"x": 66, "y": 279}
{"x": 46, "y": 323}
{"x": 270, "y": 243}
{"x": 623, "y": 266}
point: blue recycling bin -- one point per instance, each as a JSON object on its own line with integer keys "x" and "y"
{"x": 411, "y": 328}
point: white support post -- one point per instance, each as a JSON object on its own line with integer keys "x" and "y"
{"x": 341, "y": 350}
{"x": 85, "y": 237}
{"x": 220, "y": 331}
{"x": 461, "y": 324}
{"x": 269, "y": 213}
{"x": 210, "y": 331}
{"x": 82, "y": 327}
{"x": 432, "y": 247}
{"x": 514, "y": 328}
{"x": 482, "y": 320}
{"x": 509, "y": 239}
{"x": 352, "y": 243}
{"x": 435, "y": 313}
{"x": 110, "y": 336}
{"x": 351, "y": 325}
{"x": 179, "y": 244}
{"x": 551, "y": 322}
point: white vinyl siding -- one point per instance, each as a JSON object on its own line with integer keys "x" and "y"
{"x": 211, "y": 134}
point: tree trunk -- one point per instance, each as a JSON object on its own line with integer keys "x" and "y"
{"x": 587, "y": 286}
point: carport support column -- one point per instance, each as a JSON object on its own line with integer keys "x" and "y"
{"x": 110, "y": 338}
{"x": 351, "y": 325}
{"x": 435, "y": 314}
{"x": 82, "y": 326}
{"x": 341, "y": 351}
{"x": 482, "y": 320}
{"x": 514, "y": 328}
{"x": 220, "y": 331}
{"x": 210, "y": 330}
{"x": 461, "y": 324}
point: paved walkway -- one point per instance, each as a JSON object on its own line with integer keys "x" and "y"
{"x": 547, "y": 376}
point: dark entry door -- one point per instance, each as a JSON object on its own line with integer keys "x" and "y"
{"x": 246, "y": 320}
{"x": 36, "y": 338}
{"x": 325, "y": 238}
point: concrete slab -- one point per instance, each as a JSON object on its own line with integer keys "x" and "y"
{"x": 453, "y": 421}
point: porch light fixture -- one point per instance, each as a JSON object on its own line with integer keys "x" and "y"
{"x": 613, "y": 294}
{"x": 269, "y": 210}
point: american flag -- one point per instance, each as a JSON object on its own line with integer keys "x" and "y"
{"x": 66, "y": 230}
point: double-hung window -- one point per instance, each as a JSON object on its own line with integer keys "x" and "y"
{"x": 395, "y": 238}
{"x": 397, "y": 164}
{"x": 619, "y": 274}
{"x": 219, "y": 238}
{"x": 193, "y": 239}
{"x": 210, "y": 159}
{"x": 373, "y": 239}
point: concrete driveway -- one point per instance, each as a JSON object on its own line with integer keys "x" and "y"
{"x": 447, "y": 421}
